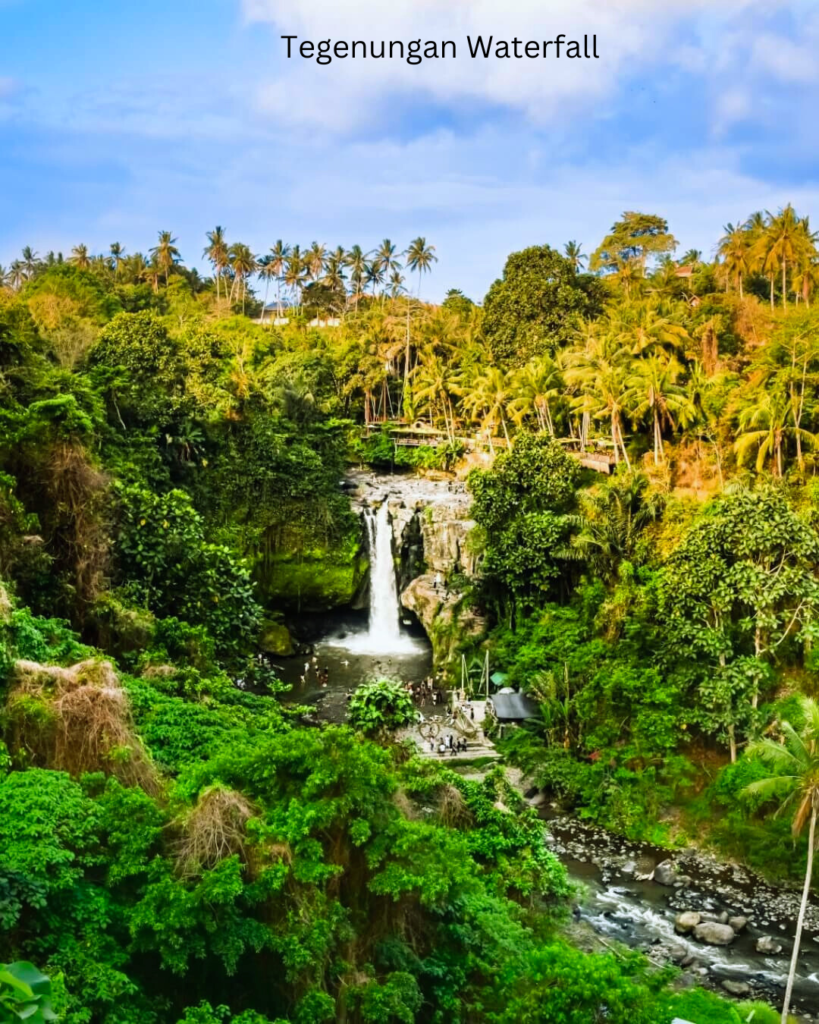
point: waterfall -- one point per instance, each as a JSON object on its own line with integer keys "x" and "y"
{"x": 384, "y": 634}
{"x": 384, "y": 631}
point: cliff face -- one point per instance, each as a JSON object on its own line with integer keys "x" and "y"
{"x": 431, "y": 523}
{"x": 443, "y": 615}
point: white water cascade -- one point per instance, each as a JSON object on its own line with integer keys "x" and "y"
{"x": 385, "y": 630}
{"x": 384, "y": 634}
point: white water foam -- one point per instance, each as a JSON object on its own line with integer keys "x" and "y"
{"x": 384, "y": 635}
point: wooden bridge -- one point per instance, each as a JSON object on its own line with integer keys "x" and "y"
{"x": 596, "y": 454}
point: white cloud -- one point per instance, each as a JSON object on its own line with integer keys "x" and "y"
{"x": 633, "y": 35}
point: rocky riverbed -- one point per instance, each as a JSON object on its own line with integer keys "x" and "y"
{"x": 724, "y": 926}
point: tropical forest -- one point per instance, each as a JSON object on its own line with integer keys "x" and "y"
{"x": 373, "y": 659}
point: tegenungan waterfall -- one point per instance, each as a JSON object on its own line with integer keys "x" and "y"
{"x": 385, "y": 628}
{"x": 384, "y": 634}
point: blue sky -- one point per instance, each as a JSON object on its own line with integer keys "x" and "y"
{"x": 120, "y": 120}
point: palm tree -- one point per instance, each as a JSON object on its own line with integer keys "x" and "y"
{"x": 764, "y": 425}
{"x": 783, "y": 244}
{"x": 435, "y": 383}
{"x": 266, "y": 273}
{"x": 536, "y": 385}
{"x": 80, "y": 258}
{"x": 315, "y": 259}
{"x": 373, "y": 274}
{"x": 334, "y": 270}
{"x": 735, "y": 251}
{"x": 134, "y": 268}
{"x": 396, "y": 285}
{"x": 420, "y": 258}
{"x": 387, "y": 256}
{"x": 294, "y": 273}
{"x": 599, "y": 372}
{"x": 278, "y": 263}
{"x": 486, "y": 398}
{"x": 243, "y": 264}
{"x": 575, "y": 255}
{"x": 166, "y": 253}
{"x": 117, "y": 255}
{"x": 4, "y": 277}
{"x": 16, "y": 275}
{"x": 216, "y": 251}
{"x": 152, "y": 272}
{"x": 356, "y": 260}
{"x": 30, "y": 261}
{"x": 649, "y": 326}
{"x": 794, "y": 783}
{"x": 654, "y": 392}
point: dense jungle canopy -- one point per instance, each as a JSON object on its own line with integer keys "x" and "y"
{"x": 175, "y": 848}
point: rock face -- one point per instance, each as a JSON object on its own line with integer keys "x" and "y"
{"x": 430, "y": 532}
{"x": 687, "y": 922}
{"x": 440, "y": 613}
{"x": 714, "y": 934}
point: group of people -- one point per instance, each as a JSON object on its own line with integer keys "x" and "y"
{"x": 322, "y": 674}
{"x": 425, "y": 691}
{"x": 449, "y": 745}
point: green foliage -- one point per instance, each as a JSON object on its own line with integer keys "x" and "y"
{"x": 380, "y": 707}
{"x": 25, "y": 994}
{"x": 537, "y": 305}
{"x": 521, "y": 504}
{"x": 170, "y": 568}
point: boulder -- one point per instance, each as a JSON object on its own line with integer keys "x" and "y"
{"x": 737, "y": 988}
{"x": 275, "y": 639}
{"x": 738, "y": 923}
{"x": 715, "y": 934}
{"x": 686, "y": 922}
{"x": 767, "y": 944}
{"x": 665, "y": 873}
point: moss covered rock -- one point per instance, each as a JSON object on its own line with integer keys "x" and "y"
{"x": 275, "y": 639}
{"x": 315, "y": 580}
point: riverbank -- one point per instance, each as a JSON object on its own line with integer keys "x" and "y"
{"x": 633, "y": 894}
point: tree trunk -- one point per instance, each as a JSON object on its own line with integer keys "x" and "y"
{"x": 622, "y": 445}
{"x": 658, "y": 439}
{"x": 772, "y": 294}
{"x": 740, "y": 286}
{"x": 784, "y": 284}
{"x": 801, "y": 919}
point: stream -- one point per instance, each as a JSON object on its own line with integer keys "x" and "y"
{"x": 620, "y": 900}
{"x": 619, "y": 896}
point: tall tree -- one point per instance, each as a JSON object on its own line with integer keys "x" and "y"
{"x": 419, "y": 256}
{"x": 216, "y": 251}
{"x": 633, "y": 241}
{"x": 243, "y": 264}
{"x": 575, "y": 255}
{"x": 356, "y": 261}
{"x": 735, "y": 251}
{"x": 793, "y": 784}
{"x": 80, "y": 258}
{"x": 117, "y": 255}
{"x": 278, "y": 261}
{"x": 315, "y": 259}
{"x": 166, "y": 253}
